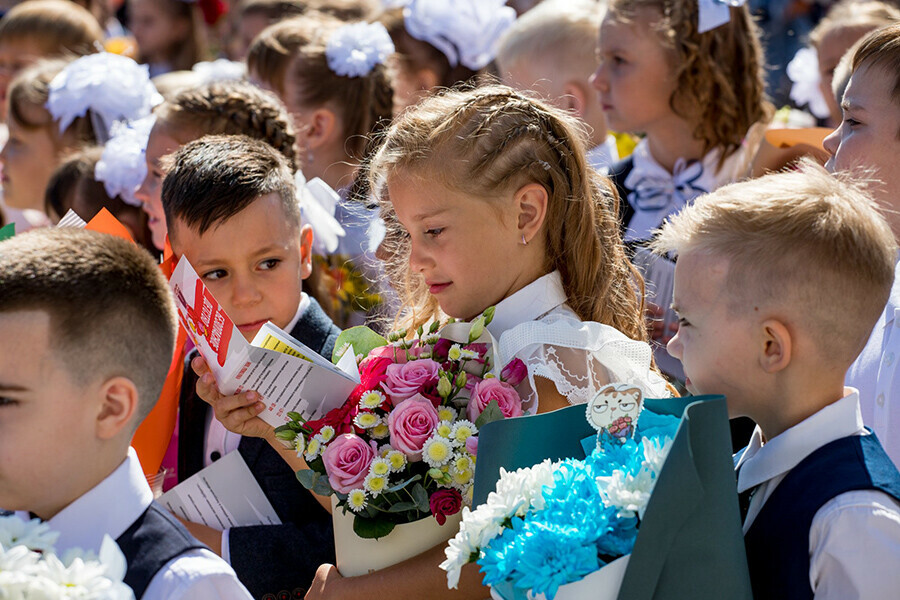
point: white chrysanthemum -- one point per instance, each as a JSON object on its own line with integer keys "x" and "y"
{"x": 32, "y": 534}
{"x": 366, "y": 420}
{"x": 300, "y": 444}
{"x": 468, "y": 354}
{"x": 355, "y": 49}
{"x": 111, "y": 86}
{"x": 397, "y": 460}
{"x": 463, "y": 430}
{"x": 17, "y": 559}
{"x": 326, "y": 434}
{"x": 444, "y": 429}
{"x": 83, "y": 579}
{"x": 437, "y": 451}
{"x": 462, "y": 462}
{"x": 431, "y": 339}
{"x": 371, "y": 399}
{"x": 628, "y": 493}
{"x": 380, "y": 431}
{"x": 455, "y": 352}
{"x": 356, "y": 500}
{"x": 375, "y": 483}
{"x": 380, "y": 467}
{"x": 313, "y": 449}
{"x": 461, "y": 479}
{"x": 519, "y": 492}
{"x": 655, "y": 453}
{"x": 458, "y": 552}
{"x": 447, "y": 413}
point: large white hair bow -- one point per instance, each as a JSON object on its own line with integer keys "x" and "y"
{"x": 466, "y": 31}
{"x": 803, "y": 71}
{"x": 714, "y": 13}
{"x": 111, "y": 86}
{"x": 123, "y": 165}
{"x": 318, "y": 203}
{"x": 355, "y": 49}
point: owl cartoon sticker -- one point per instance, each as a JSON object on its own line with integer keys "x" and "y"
{"x": 614, "y": 411}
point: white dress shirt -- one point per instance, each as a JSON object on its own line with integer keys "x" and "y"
{"x": 218, "y": 441}
{"x": 854, "y": 539}
{"x": 604, "y": 155}
{"x": 111, "y": 507}
{"x": 874, "y": 375}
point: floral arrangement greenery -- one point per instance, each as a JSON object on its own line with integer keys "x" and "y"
{"x": 403, "y": 446}
{"x": 30, "y": 569}
{"x": 557, "y": 522}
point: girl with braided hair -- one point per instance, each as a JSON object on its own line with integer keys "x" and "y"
{"x": 490, "y": 202}
{"x": 219, "y": 108}
{"x": 333, "y": 80}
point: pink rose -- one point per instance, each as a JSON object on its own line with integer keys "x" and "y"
{"x": 443, "y": 503}
{"x": 347, "y": 459}
{"x": 472, "y": 445}
{"x": 514, "y": 373}
{"x": 407, "y": 380}
{"x": 411, "y": 423}
{"x": 494, "y": 389}
{"x": 389, "y": 351}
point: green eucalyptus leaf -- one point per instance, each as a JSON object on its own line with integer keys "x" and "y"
{"x": 402, "y": 507}
{"x": 363, "y": 340}
{"x": 490, "y": 414}
{"x": 400, "y": 486}
{"x": 371, "y": 528}
{"x": 308, "y": 478}
{"x": 420, "y": 496}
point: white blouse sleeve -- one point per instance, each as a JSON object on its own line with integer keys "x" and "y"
{"x": 579, "y": 357}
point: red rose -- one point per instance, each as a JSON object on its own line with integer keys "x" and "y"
{"x": 341, "y": 418}
{"x": 373, "y": 372}
{"x": 443, "y": 503}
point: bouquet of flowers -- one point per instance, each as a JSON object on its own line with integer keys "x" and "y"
{"x": 29, "y": 568}
{"x": 403, "y": 445}
{"x": 557, "y": 522}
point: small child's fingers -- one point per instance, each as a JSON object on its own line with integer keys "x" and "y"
{"x": 207, "y": 389}
{"x": 199, "y": 365}
{"x": 225, "y": 405}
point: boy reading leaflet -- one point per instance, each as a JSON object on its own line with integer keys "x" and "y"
{"x": 231, "y": 209}
{"x": 777, "y": 285}
{"x": 88, "y": 330}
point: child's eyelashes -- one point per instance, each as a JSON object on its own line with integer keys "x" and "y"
{"x": 434, "y": 231}
{"x": 851, "y": 122}
{"x": 7, "y": 401}
{"x": 269, "y": 263}
{"x": 215, "y": 274}
{"x": 682, "y": 322}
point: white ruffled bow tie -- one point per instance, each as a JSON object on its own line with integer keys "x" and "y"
{"x": 654, "y": 192}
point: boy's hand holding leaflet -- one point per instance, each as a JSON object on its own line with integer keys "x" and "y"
{"x": 285, "y": 382}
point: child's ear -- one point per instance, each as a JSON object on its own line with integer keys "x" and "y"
{"x": 575, "y": 98}
{"x": 118, "y": 406}
{"x": 530, "y": 202}
{"x": 777, "y": 346}
{"x": 324, "y": 125}
{"x": 306, "y": 241}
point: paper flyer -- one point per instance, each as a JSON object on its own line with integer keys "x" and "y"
{"x": 285, "y": 382}
{"x": 224, "y": 494}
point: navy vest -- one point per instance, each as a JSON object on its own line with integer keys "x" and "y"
{"x": 778, "y": 540}
{"x": 152, "y": 541}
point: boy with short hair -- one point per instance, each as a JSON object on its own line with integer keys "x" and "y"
{"x": 868, "y": 139}
{"x": 552, "y": 50}
{"x": 232, "y": 210}
{"x": 88, "y": 329}
{"x": 777, "y": 284}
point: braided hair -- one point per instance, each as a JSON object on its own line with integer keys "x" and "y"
{"x": 229, "y": 108}
{"x": 493, "y": 140}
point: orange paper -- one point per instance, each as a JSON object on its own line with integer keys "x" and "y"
{"x": 105, "y": 222}
{"x": 811, "y": 136}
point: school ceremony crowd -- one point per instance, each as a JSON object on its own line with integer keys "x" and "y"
{"x": 612, "y": 200}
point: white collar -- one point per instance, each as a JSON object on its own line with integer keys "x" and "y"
{"x": 535, "y": 299}
{"x": 603, "y": 155}
{"x": 763, "y": 461}
{"x": 655, "y": 193}
{"x": 109, "y": 508}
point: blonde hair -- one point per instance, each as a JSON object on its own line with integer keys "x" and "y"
{"x": 562, "y": 33}
{"x": 804, "y": 241}
{"x": 881, "y": 49}
{"x": 494, "y": 139}
{"x": 57, "y": 26}
{"x": 363, "y": 104}
{"x": 850, "y": 14}
{"x": 719, "y": 74}
{"x": 29, "y": 93}
{"x": 229, "y": 108}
